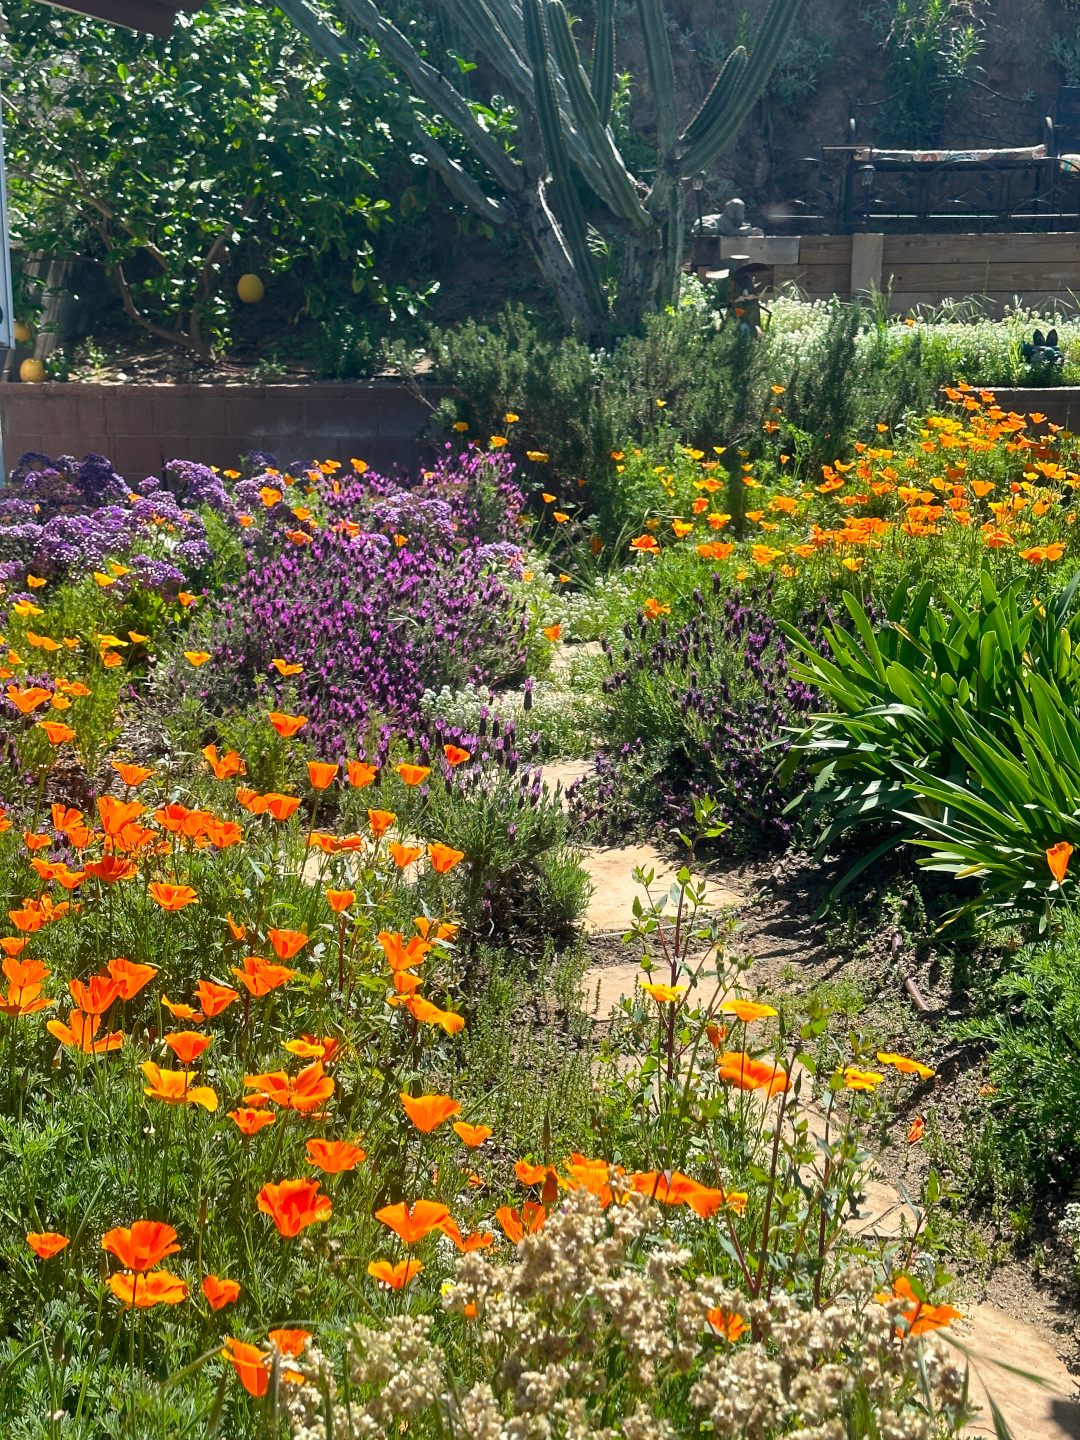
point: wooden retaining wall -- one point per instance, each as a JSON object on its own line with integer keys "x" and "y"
{"x": 923, "y": 270}
{"x": 140, "y": 427}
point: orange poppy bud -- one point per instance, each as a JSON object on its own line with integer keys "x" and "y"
{"x": 219, "y": 1293}
{"x": 321, "y": 774}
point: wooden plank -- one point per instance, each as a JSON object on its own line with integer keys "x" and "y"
{"x": 827, "y": 277}
{"x": 973, "y": 279}
{"x": 866, "y": 252}
{"x": 956, "y": 248}
{"x": 993, "y": 304}
{"x": 825, "y": 249}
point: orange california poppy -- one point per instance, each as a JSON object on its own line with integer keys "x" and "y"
{"x": 218, "y": 1292}
{"x": 321, "y": 774}
{"x": 726, "y": 1324}
{"x": 552, "y": 633}
{"x": 24, "y": 990}
{"x": 260, "y": 976}
{"x": 413, "y": 774}
{"x": 197, "y": 657}
{"x": 132, "y": 774}
{"x": 645, "y": 545}
{"x": 478, "y": 1240}
{"x": 399, "y": 955}
{"x": 746, "y": 1010}
{"x": 251, "y": 1364}
{"x": 79, "y": 1032}
{"x": 394, "y": 1276}
{"x": 112, "y": 868}
{"x": 380, "y": 822}
{"x": 286, "y": 725}
{"x": 309, "y": 1047}
{"x": 1057, "y": 857}
{"x": 290, "y": 1342}
{"x": 920, "y": 1316}
{"x": 412, "y": 1225}
{"x": 529, "y": 1222}
{"x": 428, "y": 1014}
{"x": 27, "y": 700}
{"x": 404, "y": 855}
{"x": 14, "y": 945}
{"x": 174, "y": 1087}
{"x": 905, "y": 1065}
{"x": 223, "y": 833}
{"x": 664, "y": 994}
{"x": 172, "y": 897}
{"x": 144, "y": 1291}
{"x": 856, "y": 1079}
{"x": 444, "y": 858}
{"x": 238, "y": 932}
{"x": 36, "y": 842}
{"x": 529, "y": 1174}
{"x": 180, "y": 1011}
{"x": 129, "y": 976}
{"x": 746, "y": 1073}
{"x": 115, "y": 814}
{"x": 172, "y": 817}
{"x": 472, "y": 1135}
{"x": 96, "y": 996}
{"x": 284, "y": 668}
{"x": 916, "y": 1131}
{"x": 187, "y": 1045}
{"x": 280, "y": 807}
{"x": 455, "y": 755}
{"x": 69, "y": 879}
{"x": 287, "y": 943}
{"x": 293, "y": 1205}
{"x": 250, "y": 1122}
{"x": 214, "y": 998}
{"x": 307, "y": 1092}
{"x": 46, "y": 1244}
{"x": 230, "y": 763}
{"x": 57, "y": 732}
{"x": 361, "y": 773}
{"x": 339, "y": 900}
{"x": 334, "y": 1156}
{"x": 143, "y": 1246}
{"x": 427, "y": 1112}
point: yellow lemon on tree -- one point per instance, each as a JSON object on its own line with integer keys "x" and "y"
{"x": 32, "y": 372}
{"x": 250, "y": 289}
{"x": 23, "y": 333}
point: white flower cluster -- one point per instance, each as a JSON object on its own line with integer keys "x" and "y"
{"x": 596, "y": 1321}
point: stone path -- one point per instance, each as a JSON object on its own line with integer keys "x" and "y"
{"x": 1032, "y": 1411}
{"x": 612, "y": 905}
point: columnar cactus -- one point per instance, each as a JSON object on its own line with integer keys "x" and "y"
{"x": 564, "y": 134}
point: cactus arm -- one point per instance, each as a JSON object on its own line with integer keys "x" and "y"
{"x": 768, "y": 43}
{"x": 570, "y": 212}
{"x": 458, "y": 181}
{"x": 492, "y": 28}
{"x": 438, "y": 92}
{"x": 661, "y": 74}
{"x": 603, "y": 59}
{"x": 718, "y": 98}
{"x": 596, "y": 136}
{"x": 333, "y": 45}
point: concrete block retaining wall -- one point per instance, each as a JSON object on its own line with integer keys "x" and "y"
{"x": 140, "y": 427}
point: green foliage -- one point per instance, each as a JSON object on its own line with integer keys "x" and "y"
{"x": 930, "y": 694}
{"x": 179, "y": 162}
{"x": 932, "y": 47}
{"x": 1030, "y": 1018}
